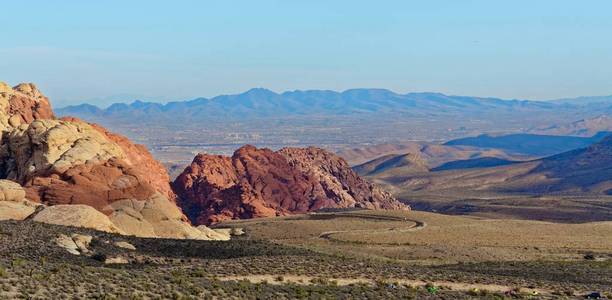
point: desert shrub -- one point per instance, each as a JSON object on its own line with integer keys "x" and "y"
{"x": 17, "y": 262}
{"x": 432, "y": 289}
{"x": 2, "y": 272}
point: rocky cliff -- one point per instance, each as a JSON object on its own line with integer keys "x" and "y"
{"x": 263, "y": 183}
{"x": 70, "y": 163}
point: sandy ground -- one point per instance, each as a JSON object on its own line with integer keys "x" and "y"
{"x": 455, "y": 286}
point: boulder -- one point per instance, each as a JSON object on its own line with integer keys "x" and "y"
{"x": 237, "y": 231}
{"x": 214, "y": 234}
{"x": 155, "y": 217}
{"x": 17, "y": 210}
{"x": 82, "y": 242}
{"x": 13, "y": 204}
{"x": 124, "y": 245}
{"x": 76, "y": 215}
{"x": 67, "y": 243}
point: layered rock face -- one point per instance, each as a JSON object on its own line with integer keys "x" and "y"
{"x": 263, "y": 183}
{"x": 85, "y": 174}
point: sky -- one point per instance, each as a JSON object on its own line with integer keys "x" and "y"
{"x": 107, "y": 51}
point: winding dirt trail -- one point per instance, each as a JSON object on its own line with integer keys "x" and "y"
{"x": 328, "y": 235}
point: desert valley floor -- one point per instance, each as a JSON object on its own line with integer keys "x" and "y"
{"x": 331, "y": 255}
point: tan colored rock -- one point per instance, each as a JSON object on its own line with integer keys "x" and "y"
{"x": 237, "y": 231}
{"x": 13, "y": 204}
{"x": 16, "y": 210}
{"x": 11, "y": 191}
{"x": 78, "y": 216}
{"x": 228, "y": 232}
{"x": 67, "y": 243}
{"x": 56, "y": 146}
{"x": 117, "y": 260}
{"x": 124, "y": 245}
{"x": 82, "y": 242}
{"x": 215, "y": 234}
{"x": 155, "y": 217}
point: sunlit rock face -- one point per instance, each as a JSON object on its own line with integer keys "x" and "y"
{"x": 81, "y": 172}
{"x": 263, "y": 183}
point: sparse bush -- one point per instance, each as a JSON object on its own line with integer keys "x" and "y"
{"x": 431, "y": 288}
{"x": 17, "y": 262}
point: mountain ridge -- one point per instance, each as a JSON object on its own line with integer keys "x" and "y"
{"x": 265, "y": 102}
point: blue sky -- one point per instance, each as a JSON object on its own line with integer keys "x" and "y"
{"x": 101, "y": 51}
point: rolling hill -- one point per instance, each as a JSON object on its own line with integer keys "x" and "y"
{"x": 581, "y": 171}
{"x": 574, "y": 186}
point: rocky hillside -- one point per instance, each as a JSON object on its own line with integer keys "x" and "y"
{"x": 432, "y": 154}
{"x": 582, "y": 171}
{"x": 82, "y": 174}
{"x": 409, "y": 162}
{"x": 263, "y": 183}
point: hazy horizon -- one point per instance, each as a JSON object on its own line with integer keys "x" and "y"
{"x": 90, "y": 51}
{"x": 105, "y": 102}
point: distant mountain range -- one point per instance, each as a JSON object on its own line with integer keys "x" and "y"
{"x": 589, "y": 100}
{"x": 261, "y": 102}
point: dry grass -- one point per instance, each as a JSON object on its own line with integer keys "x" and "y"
{"x": 444, "y": 239}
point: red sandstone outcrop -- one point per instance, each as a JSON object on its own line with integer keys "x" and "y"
{"x": 263, "y": 183}
{"x": 69, "y": 161}
{"x": 21, "y": 104}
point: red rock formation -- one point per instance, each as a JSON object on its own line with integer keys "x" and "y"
{"x": 29, "y": 104}
{"x": 93, "y": 184}
{"x": 155, "y": 175}
{"x": 263, "y": 183}
{"x": 68, "y": 161}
